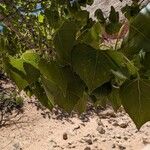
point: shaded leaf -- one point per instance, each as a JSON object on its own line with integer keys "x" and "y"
{"x": 114, "y": 98}
{"x": 99, "y": 15}
{"x": 146, "y": 61}
{"x": 112, "y": 28}
{"x": 80, "y": 107}
{"x": 73, "y": 93}
{"x": 32, "y": 74}
{"x": 64, "y": 40}
{"x": 39, "y": 92}
{"x": 52, "y": 17}
{"x": 135, "y": 97}
{"x": 94, "y": 66}
{"x": 54, "y": 73}
{"x": 113, "y": 16}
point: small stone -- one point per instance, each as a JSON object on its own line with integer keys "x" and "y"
{"x": 113, "y": 146}
{"x": 125, "y": 138}
{"x": 104, "y": 140}
{"x": 101, "y": 130}
{"x": 89, "y": 141}
{"x": 123, "y": 125}
{"x": 99, "y": 122}
{"x": 115, "y": 124}
{"x": 145, "y": 141}
{"x": 69, "y": 143}
{"x": 65, "y": 136}
{"x": 108, "y": 113}
{"x": 121, "y": 147}
{"x": 95, "y": 140}
{"x": 76, "y": 128}
{"x": 87, "y": 148}
{"x": 118, "y": 136}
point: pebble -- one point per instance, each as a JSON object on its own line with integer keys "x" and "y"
{"x": 109, "y": 113}
{"x": 121, "y": 147}
{"x": 118, "y": 136}
{"x": 76, "y": 128}
{"x": 125, "y": 138}
{"x": 145, "y": 141}
{"x": 99, "y": 122}
{"x": 113, "y": 146}
{"x": 123, "y": 125}
{"x": 115, "y": 124}
{"x": 65, "y": 136}
{"x": 89, "y": 141}
{"x": 101, "y": 130}
{"x": 87, "y": 148}
{"x": 104, "y": 140}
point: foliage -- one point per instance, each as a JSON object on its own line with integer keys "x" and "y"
{"x": 55, "y": 51}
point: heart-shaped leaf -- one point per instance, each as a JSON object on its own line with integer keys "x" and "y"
{"x": 135, "y": 97}
{"x": 94, "y": 66}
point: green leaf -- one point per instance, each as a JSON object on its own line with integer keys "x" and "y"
{"x": 19, "y": 80}
{"x": 103, "y": 90}
{"x": 130, "y": 11}
{"x": 14, "y": 69}
{"x": 94, "y": 66}
{"x": 87, "y": 63}
{"x": 135, "y": 96}
{"x": 82, "y": 16}
{"x": 146, "y": 61}
{"x": 39, "y": 92}
{"x": 139, "y": 34}
{"x": 54, "y": 73}
{"x": 99, "y": 15}
{"x": 73, "y": 93}
{"x": 61, "y": 85}
{"x": 90, "y": 2}
{"x": 91, "y": 36}
{"x": 23, "y": 71}
{"x": 40, "y": 18}
{"x": 101, "y": 94}
{"x": 32, "y": 74}
{"x": 64, "y": 40}
{"x": 113, "y": 16}
{"x": 112, "y": 28}
{"x": 30, "y": 65}
{"x": 114, "y": 98}
{"x": 31, "y": 58}
{"x": 81, "y": 106}
{"x": 52, "y": 17}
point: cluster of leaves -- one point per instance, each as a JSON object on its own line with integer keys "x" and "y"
{"x": 67, "y": 63}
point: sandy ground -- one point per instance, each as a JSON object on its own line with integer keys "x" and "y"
{"x": 39, "y": 129}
